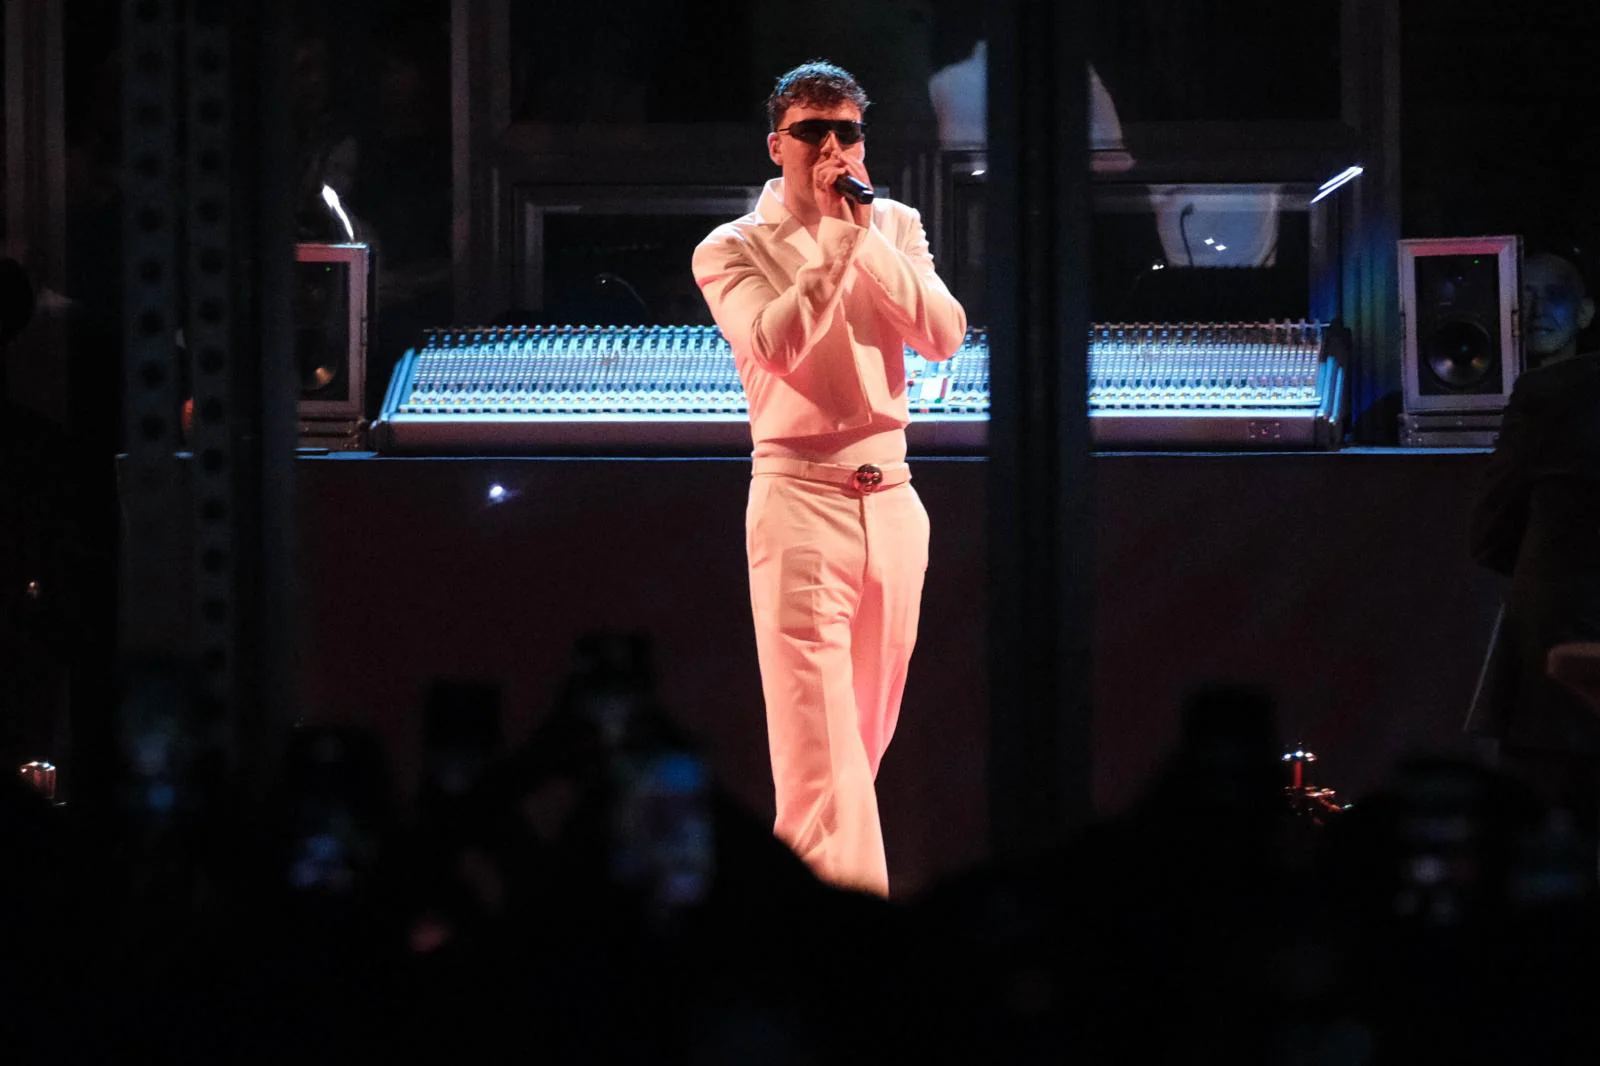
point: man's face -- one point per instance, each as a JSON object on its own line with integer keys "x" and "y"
{"x": 797, "y": 158}
{"x": 1554, "y": 307}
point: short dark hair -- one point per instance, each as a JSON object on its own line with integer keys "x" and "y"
{"x": 817, "y": 84}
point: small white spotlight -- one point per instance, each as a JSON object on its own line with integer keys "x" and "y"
{"x": 1222, "y": 247}
{"x": 1158, "y": 266}
{"x": 1211, "y": 240}
{"x": 331, "y": 198}
{"x": 980, "y": 172}
{"x": 497, "y": 493}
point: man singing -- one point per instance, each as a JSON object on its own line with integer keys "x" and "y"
{"x": 818, "y": 294}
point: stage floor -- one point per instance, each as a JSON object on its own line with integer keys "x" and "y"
{"x": 1340, "y": 582}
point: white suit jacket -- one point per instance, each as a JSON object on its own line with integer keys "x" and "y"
{"x": 819, "y": 327}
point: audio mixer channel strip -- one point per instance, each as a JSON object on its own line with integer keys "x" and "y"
{"x": 673, "y": 390}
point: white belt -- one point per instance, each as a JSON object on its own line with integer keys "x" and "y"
{"x": 868, "y": 477}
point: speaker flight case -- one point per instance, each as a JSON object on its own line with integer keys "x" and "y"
{"x": 333, "y": 285}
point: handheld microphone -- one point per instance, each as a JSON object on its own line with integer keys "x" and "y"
{"x": 853, "y": 189}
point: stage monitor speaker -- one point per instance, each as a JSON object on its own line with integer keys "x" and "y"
{"x": 332, "y": 286}
{"x": 1459, "y": 301}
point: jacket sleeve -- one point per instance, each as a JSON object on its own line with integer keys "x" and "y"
{"x": 908, "y": 290}
{"x": 1501, "y": 512}
{"x": 776, "y": 329}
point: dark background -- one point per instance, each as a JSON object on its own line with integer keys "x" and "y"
{"x": 1342, "y": 581}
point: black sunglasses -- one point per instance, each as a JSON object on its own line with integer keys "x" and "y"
{"x": 814, "y": 130}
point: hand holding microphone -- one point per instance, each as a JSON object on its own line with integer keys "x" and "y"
{"x": 843, "y": 189}
{"x": 853, "y": 189}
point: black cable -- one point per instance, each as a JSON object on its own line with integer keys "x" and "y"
{"x": 606, "y": 277}
{"x": 1183, "y": 229}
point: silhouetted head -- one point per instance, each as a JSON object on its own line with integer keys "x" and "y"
{"x": 1555, "y": 308}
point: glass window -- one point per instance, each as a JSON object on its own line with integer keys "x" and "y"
{"x": 618, "y": 256}
{"x": 1200, "y": 253}
{"x": 1160, "y": 252}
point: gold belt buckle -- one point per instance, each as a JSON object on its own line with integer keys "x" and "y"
{"x": 868, "y": 478}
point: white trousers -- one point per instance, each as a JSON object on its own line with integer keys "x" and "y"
{"x": 835, "y": 587}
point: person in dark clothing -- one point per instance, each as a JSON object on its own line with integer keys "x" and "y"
{"x": 1537, "y": 520}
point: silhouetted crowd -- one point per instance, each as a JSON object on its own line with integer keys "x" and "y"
{"x": 593, "y": 897}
